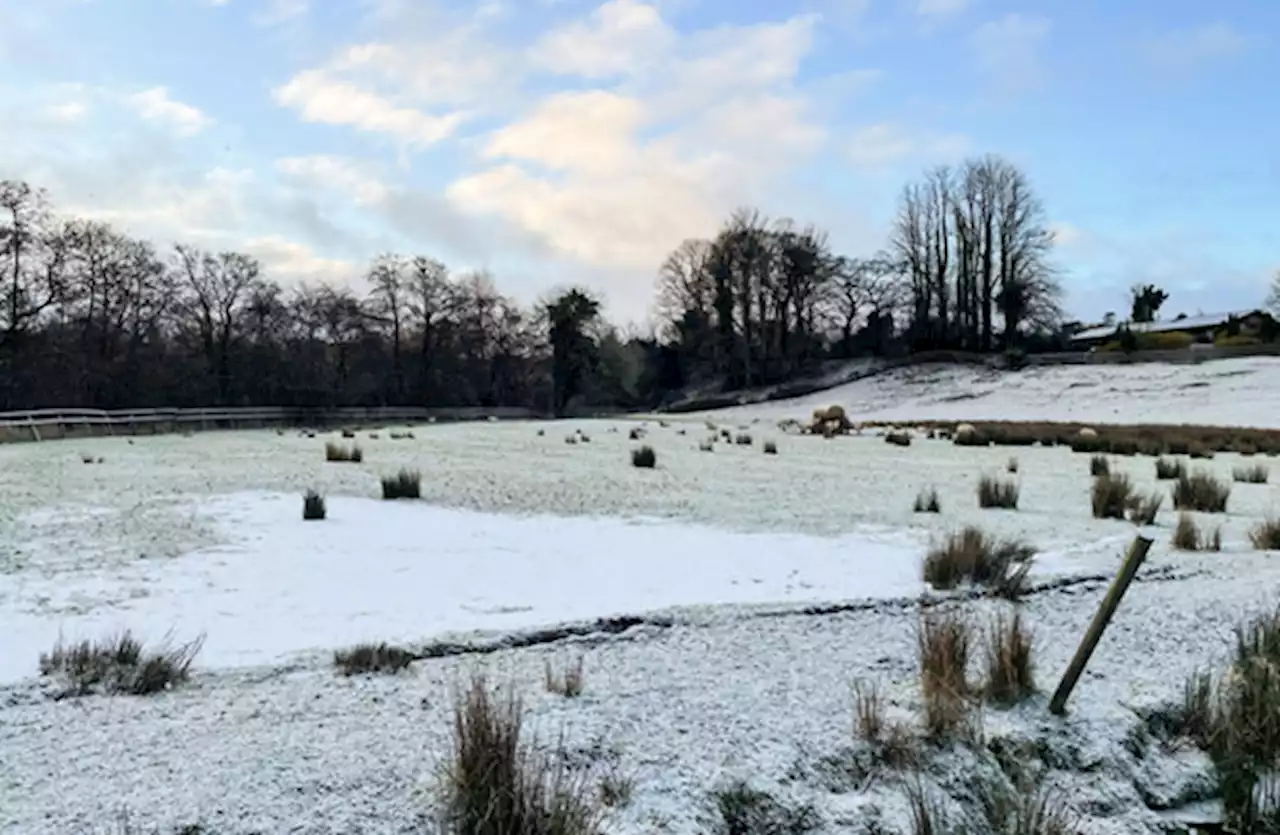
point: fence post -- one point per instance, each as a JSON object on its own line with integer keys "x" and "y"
{"x": 1128, "y": 569}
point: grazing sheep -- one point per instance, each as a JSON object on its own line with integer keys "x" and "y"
{"x": 1088, "y": 432}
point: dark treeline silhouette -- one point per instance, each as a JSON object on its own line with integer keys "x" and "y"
{"x": 90, "y": 316}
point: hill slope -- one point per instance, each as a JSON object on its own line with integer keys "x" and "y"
{"x": 1238, "y": 392}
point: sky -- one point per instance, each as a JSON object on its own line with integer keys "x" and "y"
{"x": 558, "y": 142}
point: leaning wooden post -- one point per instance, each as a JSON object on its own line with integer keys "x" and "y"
{"x": 1137, "y": 553}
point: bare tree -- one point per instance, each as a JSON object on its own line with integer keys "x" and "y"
{"x": 217, "y": 287}
{"x": 29, "y": 287}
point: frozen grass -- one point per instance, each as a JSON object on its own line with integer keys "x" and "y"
{"x": 997, "y": 493}
{"x": 944, "y": 642}
{"x": 1010, "y": 662}
{"x": 313, "y": 508}
{"x": 569, "y": 681}
{"x": 341, "y": 454}
{"x": 1168, "y": 469}
{"x": 1038, "y": 810}
{"x": 118, "y": 665}
{"x": 743, "y": 439}
{"x": 1201, "y": 491}
{"x": 1144, "y": 510}
{"x": 898, "y": 438}
{"x": 770, "y": 448}
{"x": 1254, "y": 474}
{"x": 1265, "y": 536}
{"x": 644, "y": 457}
{"x": 973, "y": 556}
{"x": 497, "y": 782}
{"x": 1099, "y": 465}
{"x": 1011, "y": 466}
{"x": 365, "y": 659}
{"x": 743, "y": 810}
{"x": 927, "y": 501}
{"x": 406, "y": 484}
{"x": 1112, "y": 495}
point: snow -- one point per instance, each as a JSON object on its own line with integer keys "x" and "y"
{"x": 1237, "y": 392}
{"x": 518, "y": 530}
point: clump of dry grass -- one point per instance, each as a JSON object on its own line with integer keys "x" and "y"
{"x": 891, "y": 742}
{"x": 1010, "y": 662}
{"x": 364, "y": 659}
{"x": 1201, "y": 491}
{"x": 743, "y": 810}
{"x": 1012, "y": 465}
{"x": 340, "y": 453}
{"x": 1026, "y": 810}
{"x": 1099, "y": 465}
{"x": 636, "y": 433}
{"x": 348, "y": 433}
{"x": 708, "y": 445}
{"x": 927, "y": 501}
{"x": 568, "y": 682}
{"x": 973, "y": 556}
{"x": 1143, "y": 511}
{"x": 644, "y": 457}
{"x": 898, "y": 438}
{"x": 996, "y": 493}
{"x": 770, "y": 448}
{"x": 497, "y": 783}
{"x": 1256, "y": 474}
{"x": 743, "y": 439}
{"x": 313, "y": 508}
{"x": 944, "y": 640}
{"x": 1265, "y": 536}
{"x": 1187, "y": 536}
{"x": 1168, "y": 469}
{"x": 1112, "y": 495}
{"x": 118, "y": 665}
{"x": 406, "y": 484}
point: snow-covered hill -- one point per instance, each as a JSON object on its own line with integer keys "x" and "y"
{"x": 1238, "y": 392}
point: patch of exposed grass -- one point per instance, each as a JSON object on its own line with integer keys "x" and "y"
{"x": 617, "y": 789}
{"x": 1187, "y": 536}
{"x": 890, "y": 742}
{"x": 636, "y": 433}
{"x": 1201, "y": 491}
{"x": 742, "y": 810}
{"x": 996, "y": 493}
{"x": 1265, "y": 536}
{"x": 364, "y": 659}
{"x": 1010, "y": 662}
{"x": 341, "y": 453}
{"x": 1011, "y": 465}
{"x": 973, "y": 556}
{"x": 708, "y": 445}
{"x": 1099, "y": 465}
{"x": 644, "y": 457}
{"x": 1143, "y": 511}
{"x": 496, "y": 781}
{"x": 927, "y": 501}
{"x": 1256, "y": 474}
{"x": 770, "y": 448}
{"x": 944, "y": 640}
{"x": 928, "y": 813}
{"x": 406, "y": 484}
{"x": 348, "y": 433}
{"x": 1112, "y": 495}
{"x": 568, "y": 682}
{"x": 743, "y": 439}
{"x": 1168, "y": 469}
{"x": 118, "y": 665}
{"x": 1026, "y": 811}
{"x": 898, "y": 438}
{"x": 313, "y": 508}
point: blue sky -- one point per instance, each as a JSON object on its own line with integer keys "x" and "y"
{"x": 557, "y": 141}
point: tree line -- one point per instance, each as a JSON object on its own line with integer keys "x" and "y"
{"x": 91, "y": 316}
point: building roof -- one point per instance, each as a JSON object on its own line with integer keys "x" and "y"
{"x": 1207, "y": 320}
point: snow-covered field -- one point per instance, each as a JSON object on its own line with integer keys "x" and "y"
{"x": 737, "y": 676}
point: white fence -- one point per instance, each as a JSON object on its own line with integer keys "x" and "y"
{"x": 37, "y": 424}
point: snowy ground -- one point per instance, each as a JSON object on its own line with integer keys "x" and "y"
{"x": 1238, "y": 392}
{"x": 518, "y": 530}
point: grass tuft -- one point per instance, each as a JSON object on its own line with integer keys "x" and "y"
{"x": 1187, "y": 536}
{"x": 743, "y": 439}
{"x": 365, "y": 659}
{"x": 898, "y": 438}
{"x": 944, "y": 639}
{"x": 342, "y": 453}
{"x": 1112, "y": 495}
{"x": 993, "y": 492}
{"x": 1256, "y": 474}
{"x": 1144, "y": 511}
{"x": 118, "y": 665}
{"x": 742, "y": 810}
{"x": 1265, "y": 536}
{"x": 1099, "y": 465}
{"x": 1168, "y": 469}
{"x": 568, "y": 682}
{"x": 973, "y": 556}
{"x": 406, "y": 484}
{"x": 927, "y": 501}
{"x": 770, "y": 448}
{"x": 313, "y": 508}
{"x": 1012, "y": 465}
{"x": 644, "y": 457}
{"x": 1201, "y": 491}
{"x": 1010, "y": 662}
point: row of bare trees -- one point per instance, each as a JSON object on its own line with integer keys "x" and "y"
{"x": 92, "y": 316}
{"x": 967, "y": 267}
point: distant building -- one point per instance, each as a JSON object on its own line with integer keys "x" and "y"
{"x": 1202, "y": 326}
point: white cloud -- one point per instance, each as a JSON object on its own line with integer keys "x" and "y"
{"x": 886, "y": 145}
{"x": 276, "y": 12}
{"x": 940, "y": 9}
{"x": 619, "y": 38}
{"x": 1188, "y": 48}
{"x": 155, "y": 105}
{"x": 329, "y": 172}
{"x": 290, "y": 261}
{"x": 1009, "y": 49}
